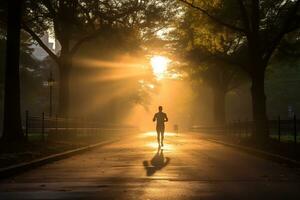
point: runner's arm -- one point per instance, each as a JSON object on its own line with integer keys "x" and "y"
{"x": 154, "y": 118}
{"x": 166, "y": 118}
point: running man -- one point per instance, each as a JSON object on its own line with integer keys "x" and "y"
{"x": 160, "y": 118}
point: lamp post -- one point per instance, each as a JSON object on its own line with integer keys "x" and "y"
{"x": 50, "y": 83}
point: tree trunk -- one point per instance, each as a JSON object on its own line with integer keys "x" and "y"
{"x": 257, "y": 73}
{"x": 64, "y": 87}
{"x": 260, "y": 131}
{"x": 12, "y": 125}
{"x": 219, "y": 106}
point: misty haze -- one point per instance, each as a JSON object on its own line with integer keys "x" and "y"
{"x": 149, "y": 99}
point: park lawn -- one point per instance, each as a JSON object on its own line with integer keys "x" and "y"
{"x": 286, "y": 147}
{"x": 286, "y": 138}
{"x": 16, "y": 153}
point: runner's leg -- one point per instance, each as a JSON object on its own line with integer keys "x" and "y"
{"x": 162, "y": 135}
{"x": 158, "y": 135}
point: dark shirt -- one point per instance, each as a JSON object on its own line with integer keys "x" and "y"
{"x": 160, "y": 118}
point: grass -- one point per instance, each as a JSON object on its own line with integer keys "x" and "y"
{"x": 35, "y": 147}
{"x": 286, "y": 138}
{"x": 285, "y": 147}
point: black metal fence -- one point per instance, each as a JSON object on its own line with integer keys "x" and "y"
{"x": 284, "y": 130}
{"x": 43, "y": 127}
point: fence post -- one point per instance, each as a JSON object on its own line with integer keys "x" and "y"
{"x": 84, "y": 127}
{"x": 82, "y": 133}
{"x": 226, "y": 129}
{"x": 235, "y": 127}
{"x": 295, "y": 129}
{"x": 26, "y": 124}
{"x": 240, "y": 128}
{"x": 56, "y": 124}
{"x": 232, "y": 129}
{"x": 67, "y": 124}
{"x": 77, "y": 124}
{"x": 279, "y": 131}
{"x": 246, "y": 127}
{"x": 43, "y": 126}
{"x": 251, "y": 128}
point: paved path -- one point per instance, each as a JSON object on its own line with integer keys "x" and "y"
{"x": 188, "y": 168}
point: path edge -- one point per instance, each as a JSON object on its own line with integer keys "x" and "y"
{"x": 26, "y": 166}
{"x": 260, "y": 153}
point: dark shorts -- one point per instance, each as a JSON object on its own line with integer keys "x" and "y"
{"x": 160, "y": 129}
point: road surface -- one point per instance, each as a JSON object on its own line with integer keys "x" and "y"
{"x": 188, "y": 168}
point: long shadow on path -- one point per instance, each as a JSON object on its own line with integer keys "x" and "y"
{"x": 157, "y": 162}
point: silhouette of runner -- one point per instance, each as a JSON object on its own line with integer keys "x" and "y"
{"x": 156, "y": 163}
{"x": 160, "y": 118}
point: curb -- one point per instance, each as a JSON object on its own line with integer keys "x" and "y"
{"x": 260, "y": 153}
{"x": 22, "y": 167}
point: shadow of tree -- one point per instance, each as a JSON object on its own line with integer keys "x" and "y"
{"x": 156, "y": 163}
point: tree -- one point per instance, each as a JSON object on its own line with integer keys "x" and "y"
{"x": 12, "y": 125}
{"x": 209, "y": 50}
{"x": 78, "y": 22}
{"x": 288, "y": 50}
{"x": 30, "y": 78}
{"x": 263, "y": 23}
{"x": 118, "y": 66}
{"x": 220, "y": 76}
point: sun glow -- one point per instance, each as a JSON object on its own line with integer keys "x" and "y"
{"x": 159, "y": 66}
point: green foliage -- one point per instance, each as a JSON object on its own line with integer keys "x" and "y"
{"x": 75, "y": 23}
{"x": 281, "y": 84}
{"x": 31, "y": 72}
{"x": 261, "y": 24}
{"x": 288, "y": 50}
{"x": 209, "y": 51}
{"x": 83, "y": 19}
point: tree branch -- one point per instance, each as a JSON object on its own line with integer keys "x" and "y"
{"x": 255, "y": 16}
{"x": 285, "y": 29}
{"x": 214, "y": 18}
{"x": 40, "y": 42}
{"x": 244, "y": 15}
{"x": 83, "y": 40}
{"x": 50, "y": 8}
{"x": 87, "y": 15}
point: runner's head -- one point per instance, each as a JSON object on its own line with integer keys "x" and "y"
{"x": 160, "y": 108}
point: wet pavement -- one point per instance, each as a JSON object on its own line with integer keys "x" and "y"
{"x": 188, "y": 167}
